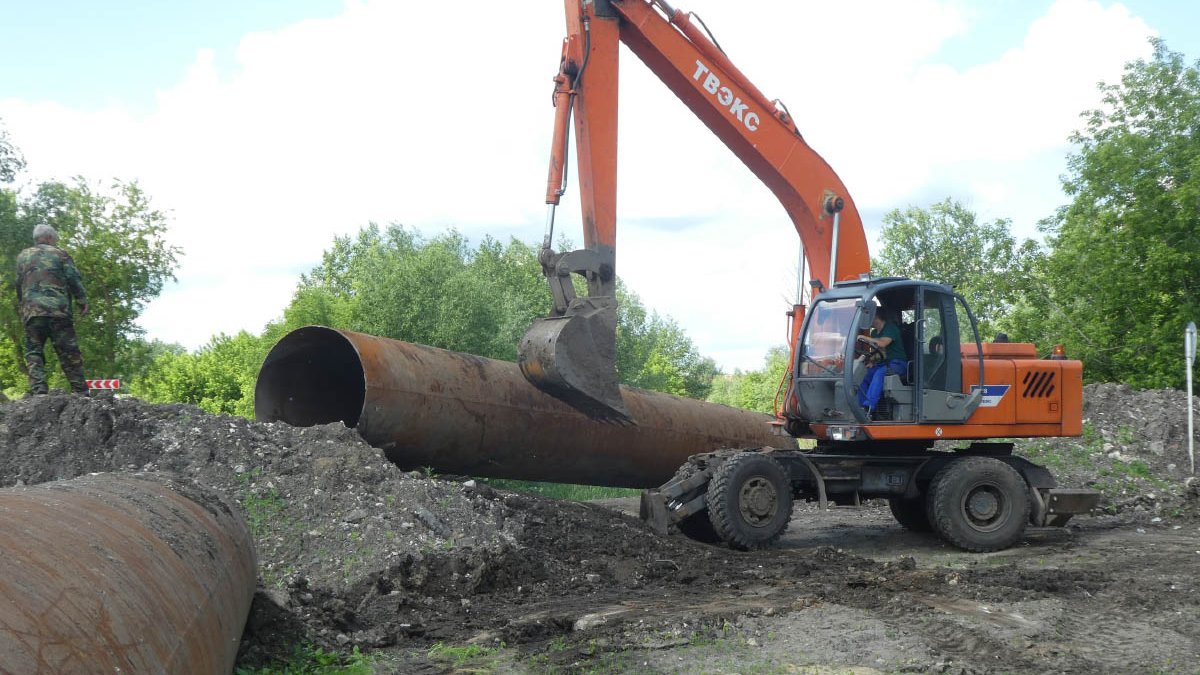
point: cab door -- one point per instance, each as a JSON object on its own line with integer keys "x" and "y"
{"x": 939, "y": 359}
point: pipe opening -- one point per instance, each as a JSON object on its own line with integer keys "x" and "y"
{"x": 312, "y": 376}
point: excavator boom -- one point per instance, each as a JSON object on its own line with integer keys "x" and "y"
{"x": 571, "y": 353}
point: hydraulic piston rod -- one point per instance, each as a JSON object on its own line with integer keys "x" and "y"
{"x": 122, "y": 574}
{"x": 463, "y": 414}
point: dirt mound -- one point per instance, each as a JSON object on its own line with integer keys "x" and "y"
{"x": 353, "y": 551}
{"x": 1133, "y": 449}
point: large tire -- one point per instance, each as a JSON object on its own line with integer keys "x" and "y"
{"x": 911, "y": 513}
{"x": 750, "y": 501}
{"x": 979, "y": 504}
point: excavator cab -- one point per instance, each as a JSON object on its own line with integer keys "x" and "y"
{"x": 831, "y": 363}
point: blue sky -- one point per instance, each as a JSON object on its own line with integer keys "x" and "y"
{"x": 89, "y": 54}
{"x": 999, "y": 24}
{"x": 286, "y": 123}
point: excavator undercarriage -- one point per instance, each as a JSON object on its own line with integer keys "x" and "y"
{"x": 980, "y": 498}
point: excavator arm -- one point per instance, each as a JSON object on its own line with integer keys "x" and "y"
{"x": 571, "y": 353}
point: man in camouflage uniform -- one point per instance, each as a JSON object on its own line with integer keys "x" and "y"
{"x": 46, "y": 282}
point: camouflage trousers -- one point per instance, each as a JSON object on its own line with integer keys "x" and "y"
{"x": 61, "y": 333}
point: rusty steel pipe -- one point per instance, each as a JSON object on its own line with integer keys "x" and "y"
{"x": 122, "y": 574}
{"x": 463, "y": 414}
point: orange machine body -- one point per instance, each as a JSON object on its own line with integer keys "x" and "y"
{"x": 875, "y": 418}
{"x": 1025, "y": 397}
{"x": 1040, "y": 397}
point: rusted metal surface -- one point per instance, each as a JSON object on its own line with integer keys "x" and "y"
{"x": 457, "y": 413}
{"x": 121, "y": 574}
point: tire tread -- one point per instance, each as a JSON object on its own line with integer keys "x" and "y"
{"x": 723, "y": 513}
{"x": 942, "y": 510}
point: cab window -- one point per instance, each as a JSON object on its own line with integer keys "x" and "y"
{"x": 824, "y": 347}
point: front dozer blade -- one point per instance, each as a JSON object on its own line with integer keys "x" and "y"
{"x": 572, "y": 358}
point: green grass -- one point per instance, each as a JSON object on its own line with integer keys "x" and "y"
{"x": 1129, "y": 472}
{"x": 307, "y": 659}
{"x": 1126, "y": 434}
{"x": 262, "y": 508}
{"x": 1061, "y": 456}
{"x": 575, "y": 493}
{"x": 1066, "y": 455}
{"x": 1136, "y": 468}
{"x": 1124, "y": 477}
{"x": 459, "y": 656}
{"x": 277, "y": 579}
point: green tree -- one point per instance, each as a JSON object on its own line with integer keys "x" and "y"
{"x": 1123, "y": 275}
{"x": 755, "y": 389}
{"x": 117, "y": 240}
{"x": 440, "y": 292}
{"x": 12, "y": 162}
{"x": 13, "y": 237}
{"x": 653, "y": 352}
{"x": 946, "y": 243}
{"x": 389, "y": 282}
{"x": 219, "y": 377}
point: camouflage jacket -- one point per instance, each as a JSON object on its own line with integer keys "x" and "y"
{"x": 46, "y": 282}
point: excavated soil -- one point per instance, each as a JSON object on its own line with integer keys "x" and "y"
{"x": 442, "y": 574}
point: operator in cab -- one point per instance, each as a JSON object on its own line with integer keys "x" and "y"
{"x": 885, "y": 336}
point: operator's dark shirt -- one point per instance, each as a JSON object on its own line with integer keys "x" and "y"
{"x": 895, "y": 349}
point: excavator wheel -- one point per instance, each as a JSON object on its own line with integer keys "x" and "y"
{"x": 750, "y": 501}
{"x": 911, "y": 513}
{"x": 979, "y": 504}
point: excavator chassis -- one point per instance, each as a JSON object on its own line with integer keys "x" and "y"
{"x": 980, "y": 499}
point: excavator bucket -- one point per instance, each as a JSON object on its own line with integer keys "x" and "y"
{"x": 572, "y": 357}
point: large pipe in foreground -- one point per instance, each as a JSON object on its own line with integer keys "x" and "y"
{"x": 121, "y": 574}
{"x": 457, "y": 413}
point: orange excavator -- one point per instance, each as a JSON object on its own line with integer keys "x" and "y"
{"x": 948, "y": 386}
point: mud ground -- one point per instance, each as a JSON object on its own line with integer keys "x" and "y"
{"x": 444, "y": 574}
{"x": 1105, "y": 595}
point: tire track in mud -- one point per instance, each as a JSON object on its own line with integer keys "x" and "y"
{"x": 972, "y": 616}
{"x": 1107, "y": 639}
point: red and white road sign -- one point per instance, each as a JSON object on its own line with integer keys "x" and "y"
{"x": 103, "y": 384}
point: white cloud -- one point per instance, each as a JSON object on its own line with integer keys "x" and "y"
{"x": 438, "y": 115}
